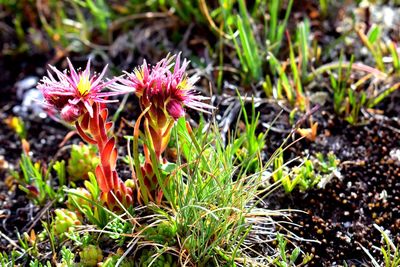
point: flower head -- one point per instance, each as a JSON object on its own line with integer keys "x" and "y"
{"x": 73, "y": 93}
{"x": 164, "y": 88}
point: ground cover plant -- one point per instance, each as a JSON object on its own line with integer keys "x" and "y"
{"x": 199, "y": 133}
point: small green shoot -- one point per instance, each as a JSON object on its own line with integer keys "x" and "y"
{"x": 308, "y": 175}
{"x": 36, "y": 180}
{"x": 390, "y": 252}
{"x": 249, "y": 144}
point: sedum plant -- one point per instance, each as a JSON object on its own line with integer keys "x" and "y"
{"x": 82, "y": 161}
{"x": 64, "y": 222}
{"x": 91, "y": 255}
{"x": 314, "y": 172}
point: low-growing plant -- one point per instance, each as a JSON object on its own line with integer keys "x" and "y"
{"x": 9, "y": 259}
{"x": 86, "y": 202}
{"x": 36, "y": 180}
{"x": 90, "y": 256}
{"x": 248, "y": 49}
{"x": 286, "y": 258}
{"x": 64, "y": 222}
{"x": 211, "y": 210}
{"x": 306, "y": 176}
{"x": 340, "y": 86}
{"x": 67, "y": 257}
{"x": 83, "y": 160}
{"x": 350, "y": 97}
{"x": 390, "y": 252}
{"x": 291, "y": 75}
{"x": 248, "y": 142}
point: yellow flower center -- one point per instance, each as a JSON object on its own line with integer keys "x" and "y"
{"x": 183, "y": 85}
{"x": 139, "y": 74}
{"x": 84, "y": 85}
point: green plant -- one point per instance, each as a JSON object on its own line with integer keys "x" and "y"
{"x": 36, "y": 180}
{"x": 327, "y": 164}
{"x": 390, "y": 252}
{"x": 64, "y": 222}
{"x": 312, "y": 172}
{"x": 286, "y": 259}
{"x": 155, "y": 258}
{"x": 67, "y": 257}
{"x": 247, "y": 49}
{"x": 8, "y": 259}
{"x": 248, "y": 143}
{"x": 211, "y": 194}
{"x": 276, "y": 28}
{"x": 86, "y": 202}
{"x": 290, "y": 82}
{"x": 339, "y": 86}
{"x": 90, "y": 256}
{"x": 83, "y": 160}
{"x": 349, "y": 96}
{"x": 356, "y": 101}
{"x": 373, "y": 43}
{"x": 29, "y": 244}
{"x": 37, "y": 263}
{"x": 245, "y": 38}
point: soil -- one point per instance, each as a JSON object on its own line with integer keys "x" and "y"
{"x": 341, "y": 215}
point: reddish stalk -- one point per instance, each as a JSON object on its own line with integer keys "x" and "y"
{"x": 95, "y": 130}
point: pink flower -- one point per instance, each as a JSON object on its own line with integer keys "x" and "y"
{"x": 164, "y": 88}
{"x": 73, "y": 93}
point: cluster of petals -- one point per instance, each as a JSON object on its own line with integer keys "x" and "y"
{"x": 165, "y": 85}
{"x": 72, "y": 92}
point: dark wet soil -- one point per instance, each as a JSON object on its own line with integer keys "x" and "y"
{"x": 341, "y": 215}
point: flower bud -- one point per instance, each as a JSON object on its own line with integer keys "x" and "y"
{"x": 65, "y": 220}
{"x": 91, "y": 255}
{"x": 70, "y": 113}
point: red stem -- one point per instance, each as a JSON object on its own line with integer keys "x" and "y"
{"x": 106, "y": 174}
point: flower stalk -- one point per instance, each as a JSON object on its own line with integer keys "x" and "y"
{"x": 77, "y": 97}
{"x": 96, "y": 130}
{"x": 163, "y": 91}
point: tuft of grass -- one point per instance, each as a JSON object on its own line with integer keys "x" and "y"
{"x": 212, "y": 200}
{"x": 276, "y": 28}
{"x": 248, "y": 142}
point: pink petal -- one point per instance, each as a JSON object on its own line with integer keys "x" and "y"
{"x": 175, "y": 109}
{"x": 74, "y": 75}
{"x": 88, "y": 108}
